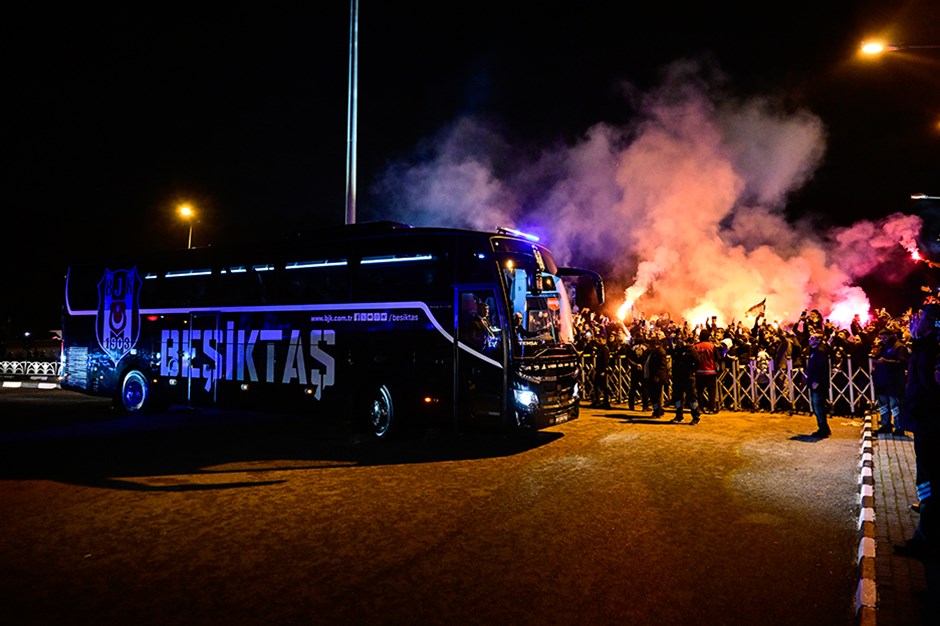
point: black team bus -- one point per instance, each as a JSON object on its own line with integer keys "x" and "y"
{"x": 384, "y": 323}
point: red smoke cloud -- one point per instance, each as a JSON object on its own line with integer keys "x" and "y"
{"x": 683, "y": 209}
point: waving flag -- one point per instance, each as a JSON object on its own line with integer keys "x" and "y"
{"x": 757, "y": 309}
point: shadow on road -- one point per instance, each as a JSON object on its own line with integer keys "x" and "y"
{"x": 76, "y": 441}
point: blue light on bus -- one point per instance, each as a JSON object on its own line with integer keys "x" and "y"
{"x": 395, "y": 259}
{"x": 303, "y": 265}
{"x": 517, "y": 233}
{"x": 263, "y": 268}
{"x": 188, "y": 273}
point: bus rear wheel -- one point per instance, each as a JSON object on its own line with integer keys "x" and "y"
{"x": 135, "y": 392}
{"x": 383, "y": 422}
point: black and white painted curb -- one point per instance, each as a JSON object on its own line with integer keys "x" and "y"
{"x": 866, "y": 594}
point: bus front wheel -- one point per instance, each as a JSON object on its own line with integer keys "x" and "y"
{"x": 135, "y": 392}
{"x": 382, "y": 419}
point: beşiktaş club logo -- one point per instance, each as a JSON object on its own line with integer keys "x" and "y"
{"x": 118, "y": 321}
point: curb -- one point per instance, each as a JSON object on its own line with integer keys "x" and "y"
{"x": 19, "y": 384}
{"x": 866, "y": 594}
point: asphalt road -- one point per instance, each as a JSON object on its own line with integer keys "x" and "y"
{"x": 222, "y": 518}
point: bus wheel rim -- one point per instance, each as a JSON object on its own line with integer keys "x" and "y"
{"x": 382, "y": 412}
{"x": 135, "y": 392}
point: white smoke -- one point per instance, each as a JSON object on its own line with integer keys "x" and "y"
{"x": 683, "y": 210}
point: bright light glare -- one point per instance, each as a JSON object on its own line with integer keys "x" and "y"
{"x": 518, "y": 233}
{"x": 186, "y": 211}
{"x": 525, "y": 397}
{"x": 873, "y": 47}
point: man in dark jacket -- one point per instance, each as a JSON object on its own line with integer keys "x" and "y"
{"x": 635, "y": 357}
{"x": 817, "y": 378}
{"x": 601, "y": 370}
{"x": 656, "y": 371}
{"x": 888, "y": 375}
{"x": 922, "y": 417}
{"x": 684, "y": 365}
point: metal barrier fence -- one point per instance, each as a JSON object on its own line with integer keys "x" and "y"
{"x": 750, "y": 386}
{"x": 28, "y": 369}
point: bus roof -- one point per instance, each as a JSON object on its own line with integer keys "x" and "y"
{"x": 330, "y": 237}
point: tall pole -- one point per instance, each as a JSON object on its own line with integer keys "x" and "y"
{"x": 351, "y": 110}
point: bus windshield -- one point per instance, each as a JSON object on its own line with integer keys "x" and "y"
{"x": 539, "y": 307}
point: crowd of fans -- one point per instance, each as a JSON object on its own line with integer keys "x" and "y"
{"x": 762, "y": 340}
{"x": 771, "y": 344}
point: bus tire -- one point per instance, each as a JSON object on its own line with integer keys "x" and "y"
{"x": 134, "y": 395}
{"x": 383, "y": 421}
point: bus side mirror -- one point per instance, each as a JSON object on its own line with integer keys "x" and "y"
{"x": 597, "y": 296}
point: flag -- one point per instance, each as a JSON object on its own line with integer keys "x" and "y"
{"x": 757, "y": 310}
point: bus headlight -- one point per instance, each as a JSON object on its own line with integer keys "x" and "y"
{"x": 526, "y": 397}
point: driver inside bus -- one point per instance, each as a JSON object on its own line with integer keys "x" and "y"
{"x": 483, "y": 336}
{"x": 521, "y": 331}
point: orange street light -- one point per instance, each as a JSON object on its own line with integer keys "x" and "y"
{"x": 874, "y": 47}
{"x": 187, "y": 213}
{"x": 877, "y": 47}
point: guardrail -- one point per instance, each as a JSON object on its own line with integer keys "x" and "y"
{"x": 746, "y": 386}
{"x": 43, "y": 374}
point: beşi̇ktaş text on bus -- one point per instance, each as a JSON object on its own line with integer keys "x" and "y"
{"x": 231, "y": 353}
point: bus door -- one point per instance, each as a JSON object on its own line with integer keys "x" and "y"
{"x": 205, "y": 359}
{"x": 480, "y": 353}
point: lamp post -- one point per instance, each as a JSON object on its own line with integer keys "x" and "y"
{"x": 187, "y": 213}
{"x": 352, "y": 112}
{"x": 877, "y": 47}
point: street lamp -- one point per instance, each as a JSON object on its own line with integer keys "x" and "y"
{"x": 876, "y": 47}
{"x": 187, "y": 213}
{"x": 873, "y": 47}
{"x": 923, "y": 196}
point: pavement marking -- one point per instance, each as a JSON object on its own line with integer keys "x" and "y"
{"x": 866, "y": 594}
{"x": 866, "y": 548}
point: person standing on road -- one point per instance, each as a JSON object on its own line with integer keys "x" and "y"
{"x": 922, "y": 417}
{"x": 707, "y": 375}
{"x": 656, "y": 371}
{"x": 601, "y": 370}
{"x": 635, "y": 356}
{"x": 817, "y": 378}
{"x": 684, "y": 365}
{"x": 889, "y": 370}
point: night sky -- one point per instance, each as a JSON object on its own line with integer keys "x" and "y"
{"x": 112, "y": 116}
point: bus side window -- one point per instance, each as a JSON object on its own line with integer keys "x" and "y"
{"x": 410, "y": 276}
{"x": 479, "y": 321}
{"x": 315, "y": 282}
{"x": 239, "y": 284}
